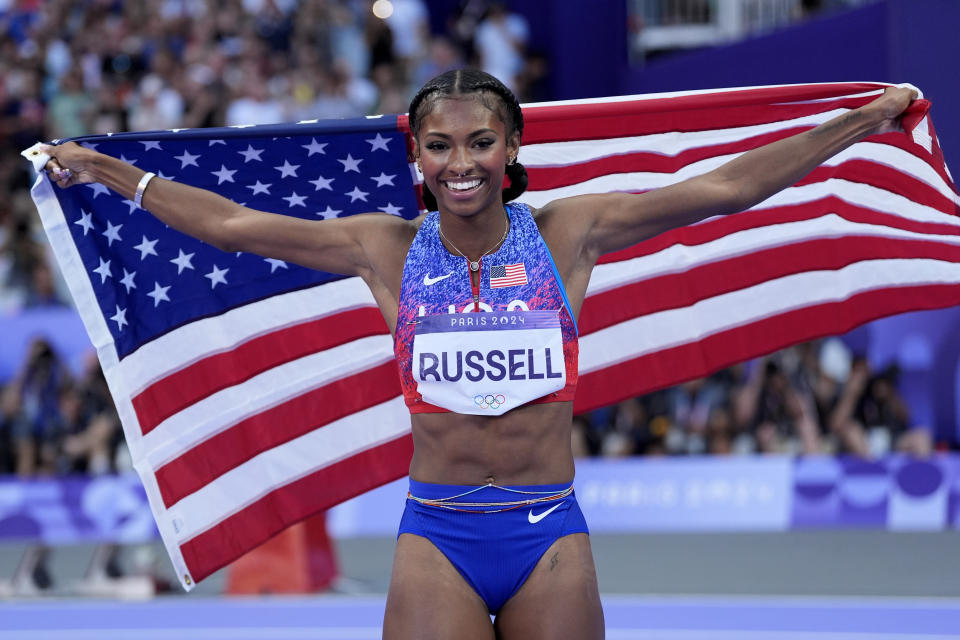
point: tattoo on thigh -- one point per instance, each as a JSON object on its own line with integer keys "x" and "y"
{"x": 554, "y": 560}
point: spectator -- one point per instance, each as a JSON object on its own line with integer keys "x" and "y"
{"x": 871, "y": 418}
{"x": 409, "y": 24}
{"x": 778, "y": 413}
{"x": 90, "y": 427}
{"x": 254, "y": 105}
{"x": 155, "y": 105}
{"x": 501, "y": 43}
{"x": 31, "y": 405}
{"x": 72, "y": 110}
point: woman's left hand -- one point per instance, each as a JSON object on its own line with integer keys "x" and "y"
{"x": 890, "y": 107}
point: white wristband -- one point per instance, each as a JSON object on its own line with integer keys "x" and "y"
{"x": 141, "y": 187}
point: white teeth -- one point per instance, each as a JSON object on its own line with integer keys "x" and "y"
{"x": 463, "y": 186}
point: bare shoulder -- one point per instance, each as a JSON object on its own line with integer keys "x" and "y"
{"x": 386, "y": 238}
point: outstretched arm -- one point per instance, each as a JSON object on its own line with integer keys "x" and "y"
{"x": 346, "y": 246}
{"x": 609, "y": 222}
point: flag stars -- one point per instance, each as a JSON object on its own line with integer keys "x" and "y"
{"x": 146, "y": 247}
{"x": 350, "y": 163}
{"x": 384, "y": 180}
{"x": 288, "y": 169}
{"x": 315, "y": 147}
{"x": 127, "y": 280}
{"x": 183, "y": 261}
{"x": 251, "y": 154}
{"x": 112, "y": 233}
{"x": 379, "y": 143}
{"x": 329, "y": 212}
{"x": 224, "y": 175}
{"x": 356, "y": 194}
{"x": 85, "y": 221}
{"x": 186, "y": 159}
{"x": 98, "y": 189}
{"x": 103, "y": 270}
{"x": 391, "y": 209}
{"x": 159, "y": 294}
{"x": 322, "y": 183}
{"x": 151, "y": 144}
{"x": 213, "y": 142}
{"x": 294, "y": 200}
{"x": 259, "y": 187}
{"x": 217, "y": 276}
{"x": 120, "y": 317}
{"x": 131, "y": 205}
{"x": 276, "y": 264}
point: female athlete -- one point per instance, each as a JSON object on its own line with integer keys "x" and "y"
{"x": 491, "y": 524}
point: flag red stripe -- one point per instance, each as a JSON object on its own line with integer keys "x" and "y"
{"x": 862, "y": 171}
{"x": 678, "y": 290}
{"x": 644, "y": 117}
{"x": 183, "y": 388}
{"x": 933, "y": 160}
{"x": 272, "y": 427}
{"x": 720, "y": 227}
{"x": 672, "y": 366}
{"x": 232, "y": 537}
{"x": 554, "y": 177}
{"x": 886, "y": 178}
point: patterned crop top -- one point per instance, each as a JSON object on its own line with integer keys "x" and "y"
{"x": 498, "y": 353}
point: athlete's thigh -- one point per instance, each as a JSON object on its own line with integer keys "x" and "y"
{"x": 560, "y": 598}
{"x": 429, "y": 599}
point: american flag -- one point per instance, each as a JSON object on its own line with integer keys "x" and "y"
{"x": 254, "y": 393}
{"x": 507, "y": 275}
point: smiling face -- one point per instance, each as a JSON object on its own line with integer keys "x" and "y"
{"x": 463, "y": 147}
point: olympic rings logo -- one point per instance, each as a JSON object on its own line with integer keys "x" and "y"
{"x": 489, "y": 401}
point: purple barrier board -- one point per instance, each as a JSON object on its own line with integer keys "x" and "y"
{"x": 763, "y": 493}
{"x": 629, "y": 495}
{"x": 895, "y": 493}
{"x": 75, "y": 510}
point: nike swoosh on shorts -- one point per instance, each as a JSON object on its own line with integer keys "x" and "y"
{"x": 534, "y": 519}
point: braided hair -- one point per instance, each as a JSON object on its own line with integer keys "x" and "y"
{"x": 460, "y": 82}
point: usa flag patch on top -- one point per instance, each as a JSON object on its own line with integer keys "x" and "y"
{"x": 507, "y": 275}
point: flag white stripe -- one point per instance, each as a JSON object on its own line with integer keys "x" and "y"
{"x": 221, "y": 410}
{"x": 286, "y": 463}
{"x": 218, "y": 334}
{"x": 679, "y": 258}
{"x": 666, "y": 329}
{"x": 855, "y": 193}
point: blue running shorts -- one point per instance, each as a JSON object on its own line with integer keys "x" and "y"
{"x": 494, "y": 552}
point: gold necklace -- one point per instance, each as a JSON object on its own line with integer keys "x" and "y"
{"x": 475, "y": 264}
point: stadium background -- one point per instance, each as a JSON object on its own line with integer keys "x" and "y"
{"x": 72, "y": 68}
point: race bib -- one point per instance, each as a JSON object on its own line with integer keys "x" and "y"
{"x": 490, "y": 362}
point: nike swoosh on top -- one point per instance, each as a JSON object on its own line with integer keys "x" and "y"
{"x": 534, "y": 519}
{"x": 427, "y": 280}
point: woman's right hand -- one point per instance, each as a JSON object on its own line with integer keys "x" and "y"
{"x": 69, "y": 164}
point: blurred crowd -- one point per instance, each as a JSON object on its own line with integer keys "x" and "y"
{"x": 70, "y": 68}
{"x": 810, "y": 399}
